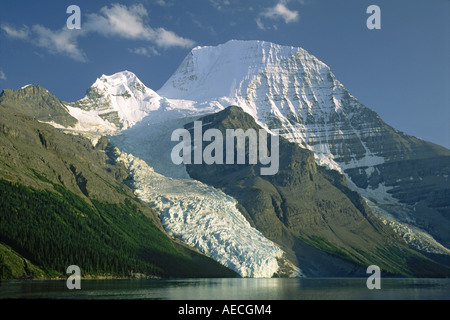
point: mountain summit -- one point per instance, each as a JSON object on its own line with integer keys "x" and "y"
{"x": 121, "y": 99}
{"x": 229, "y": 70}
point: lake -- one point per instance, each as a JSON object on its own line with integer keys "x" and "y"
{"x": 231, "y": 289}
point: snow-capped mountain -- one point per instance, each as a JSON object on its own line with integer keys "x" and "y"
{"x": 287, "y": 88}
{"x": 119, "y": 101}
{"x": 283, "y": 88}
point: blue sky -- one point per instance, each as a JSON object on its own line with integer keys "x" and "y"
{"x": 400, "y": 71}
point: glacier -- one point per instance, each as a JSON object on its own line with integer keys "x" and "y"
{"x": 196, "y": 214}
{"x": 206, "y": 219}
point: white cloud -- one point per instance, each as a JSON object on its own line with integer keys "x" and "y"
{"x": 63, "y": 41}
{"x": 2, "y": 75}
{"x": 280, "y": 11}
{"x": 218, "y": 4}
{"x": 130, "y": 23}
{"x": 163, "y": 3}
{"x": 145, "y": 51}
{"x": 259, "y": 23}
{"x": 119, "y": 20}
{"x": 111, "y": 21}
{"x": 16, "y": 33}
{"x": 165, "y": 38}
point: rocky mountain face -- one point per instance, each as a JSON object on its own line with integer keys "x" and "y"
{"x": 37, "y": 102}
{"x": 403, "y": 180}
{"x": 304, "y": 203}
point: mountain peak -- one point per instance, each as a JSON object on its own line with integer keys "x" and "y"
{"x": 120, "y": 79}
{"x": 35, "y": 101}
{"x": 240, "y": 44}
{"x": 228, "y": 69}
{"x": 121, "y": 99}
{"x": 121, "y": 75}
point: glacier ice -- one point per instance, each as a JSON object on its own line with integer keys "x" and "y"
{"x": 206, "y": 219}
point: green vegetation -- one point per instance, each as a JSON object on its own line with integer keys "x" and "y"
{"x": 57, "y": 229}
{"x": 323, "y": 244}
{"x": 14, "y": 266}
